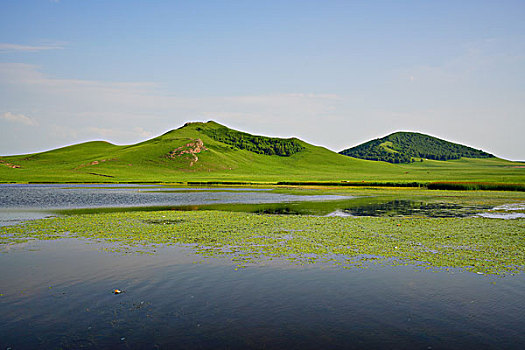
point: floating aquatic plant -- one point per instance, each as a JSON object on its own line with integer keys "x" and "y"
{"x": 488, "y": 246}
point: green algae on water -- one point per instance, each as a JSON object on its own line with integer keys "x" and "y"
{"x": 488, "y": 246}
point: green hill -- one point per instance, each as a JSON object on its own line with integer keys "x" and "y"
{"x": 193, "y": 152}
{"x": 403, "y": 147}
{"x": 205, "y": 152}
{"x": 258, "y": 144}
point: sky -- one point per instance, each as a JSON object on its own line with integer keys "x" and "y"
{"x": 332, "y": 73}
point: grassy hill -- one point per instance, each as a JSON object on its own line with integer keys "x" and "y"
{"x": 211, "y": 152}
{"x": 404, "y": 147}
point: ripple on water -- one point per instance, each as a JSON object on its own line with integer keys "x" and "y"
{"x": 506, "y": 211}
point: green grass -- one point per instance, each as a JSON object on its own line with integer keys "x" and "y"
{"x": 148, "y": 162}
{"x": 488, "y": 246}
{"x": 387, "y": 147}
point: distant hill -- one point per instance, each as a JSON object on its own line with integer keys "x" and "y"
{"x": 195, "y": 151}
{"x": 403, "y": 147}
{"x": 211, "y": 152}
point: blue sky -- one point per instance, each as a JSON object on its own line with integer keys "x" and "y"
{"x": 334, "y": 73}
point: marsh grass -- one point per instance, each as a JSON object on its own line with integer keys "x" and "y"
{"x": 475, "y": 186}
{"x": 488, "y": 246}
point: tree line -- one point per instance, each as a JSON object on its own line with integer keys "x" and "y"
{"x": 405, "y": 147}
{"x": 258, "y": 144}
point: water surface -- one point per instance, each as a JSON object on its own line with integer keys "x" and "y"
{"x": 22, "y": 202}
{"x": 58, "y": 294}
{"x": 19, "y": 202}
{"x": 91, "y": 196}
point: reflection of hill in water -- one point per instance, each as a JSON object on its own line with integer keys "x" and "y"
{"x": 365, "y": 207}
{"x": 409, "y": 208}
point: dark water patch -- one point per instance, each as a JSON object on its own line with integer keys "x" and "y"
{"x": 59, "y": 295}
{"x": 415, "y": 208}
{"x": 316, "y": 207}
{"x": 369, "y": 206}
{"x": 164, "y": 222}
{"x": 377, "y": 207}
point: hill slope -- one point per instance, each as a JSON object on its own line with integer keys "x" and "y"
{"x": 403, "y": 147}
{"x": 196, "y": 151}
{"x": 212, "y": 152}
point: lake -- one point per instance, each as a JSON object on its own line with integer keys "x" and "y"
{"x": 59, "y": 293}
{"x": 19, "y": 202}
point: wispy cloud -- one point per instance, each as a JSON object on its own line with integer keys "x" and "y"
{"x": 119, "y": 133}
{"x": 145, "y": 104}
{"x": 142, "y": 133}
{"x": 8, "y": 47}
{"x": 128, "y": 112}
{"x": 62, "y": 132}
{"x": 19, "y": 118}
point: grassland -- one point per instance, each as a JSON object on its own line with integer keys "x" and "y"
{"x": 221, "y": 162}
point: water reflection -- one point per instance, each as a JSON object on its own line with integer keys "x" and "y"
{"x": 90, "y": 196}
{"x": 23, "y": 202}
{"x": 378, "y": 207}
{"x": 506, "y": 211}
{"x": 414, "y": 208}
{"x": 59, "y": 295}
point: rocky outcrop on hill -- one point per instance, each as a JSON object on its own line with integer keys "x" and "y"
{"x": 96, "y": 162}
{"x": 189, "y": 150}
{"x": 14, "y": 166}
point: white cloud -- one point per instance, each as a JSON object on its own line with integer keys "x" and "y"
{"x": 7, "y": 47}
{"x": 74, "y": 110}
{"x": 124, "y": 106}
{"x": 142, "y": 133}
{"x": 19, "y": 118}
{"x": 63, "y": 132}
{"x": 104, "y": 132}
{"x": 119, "y": 133}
